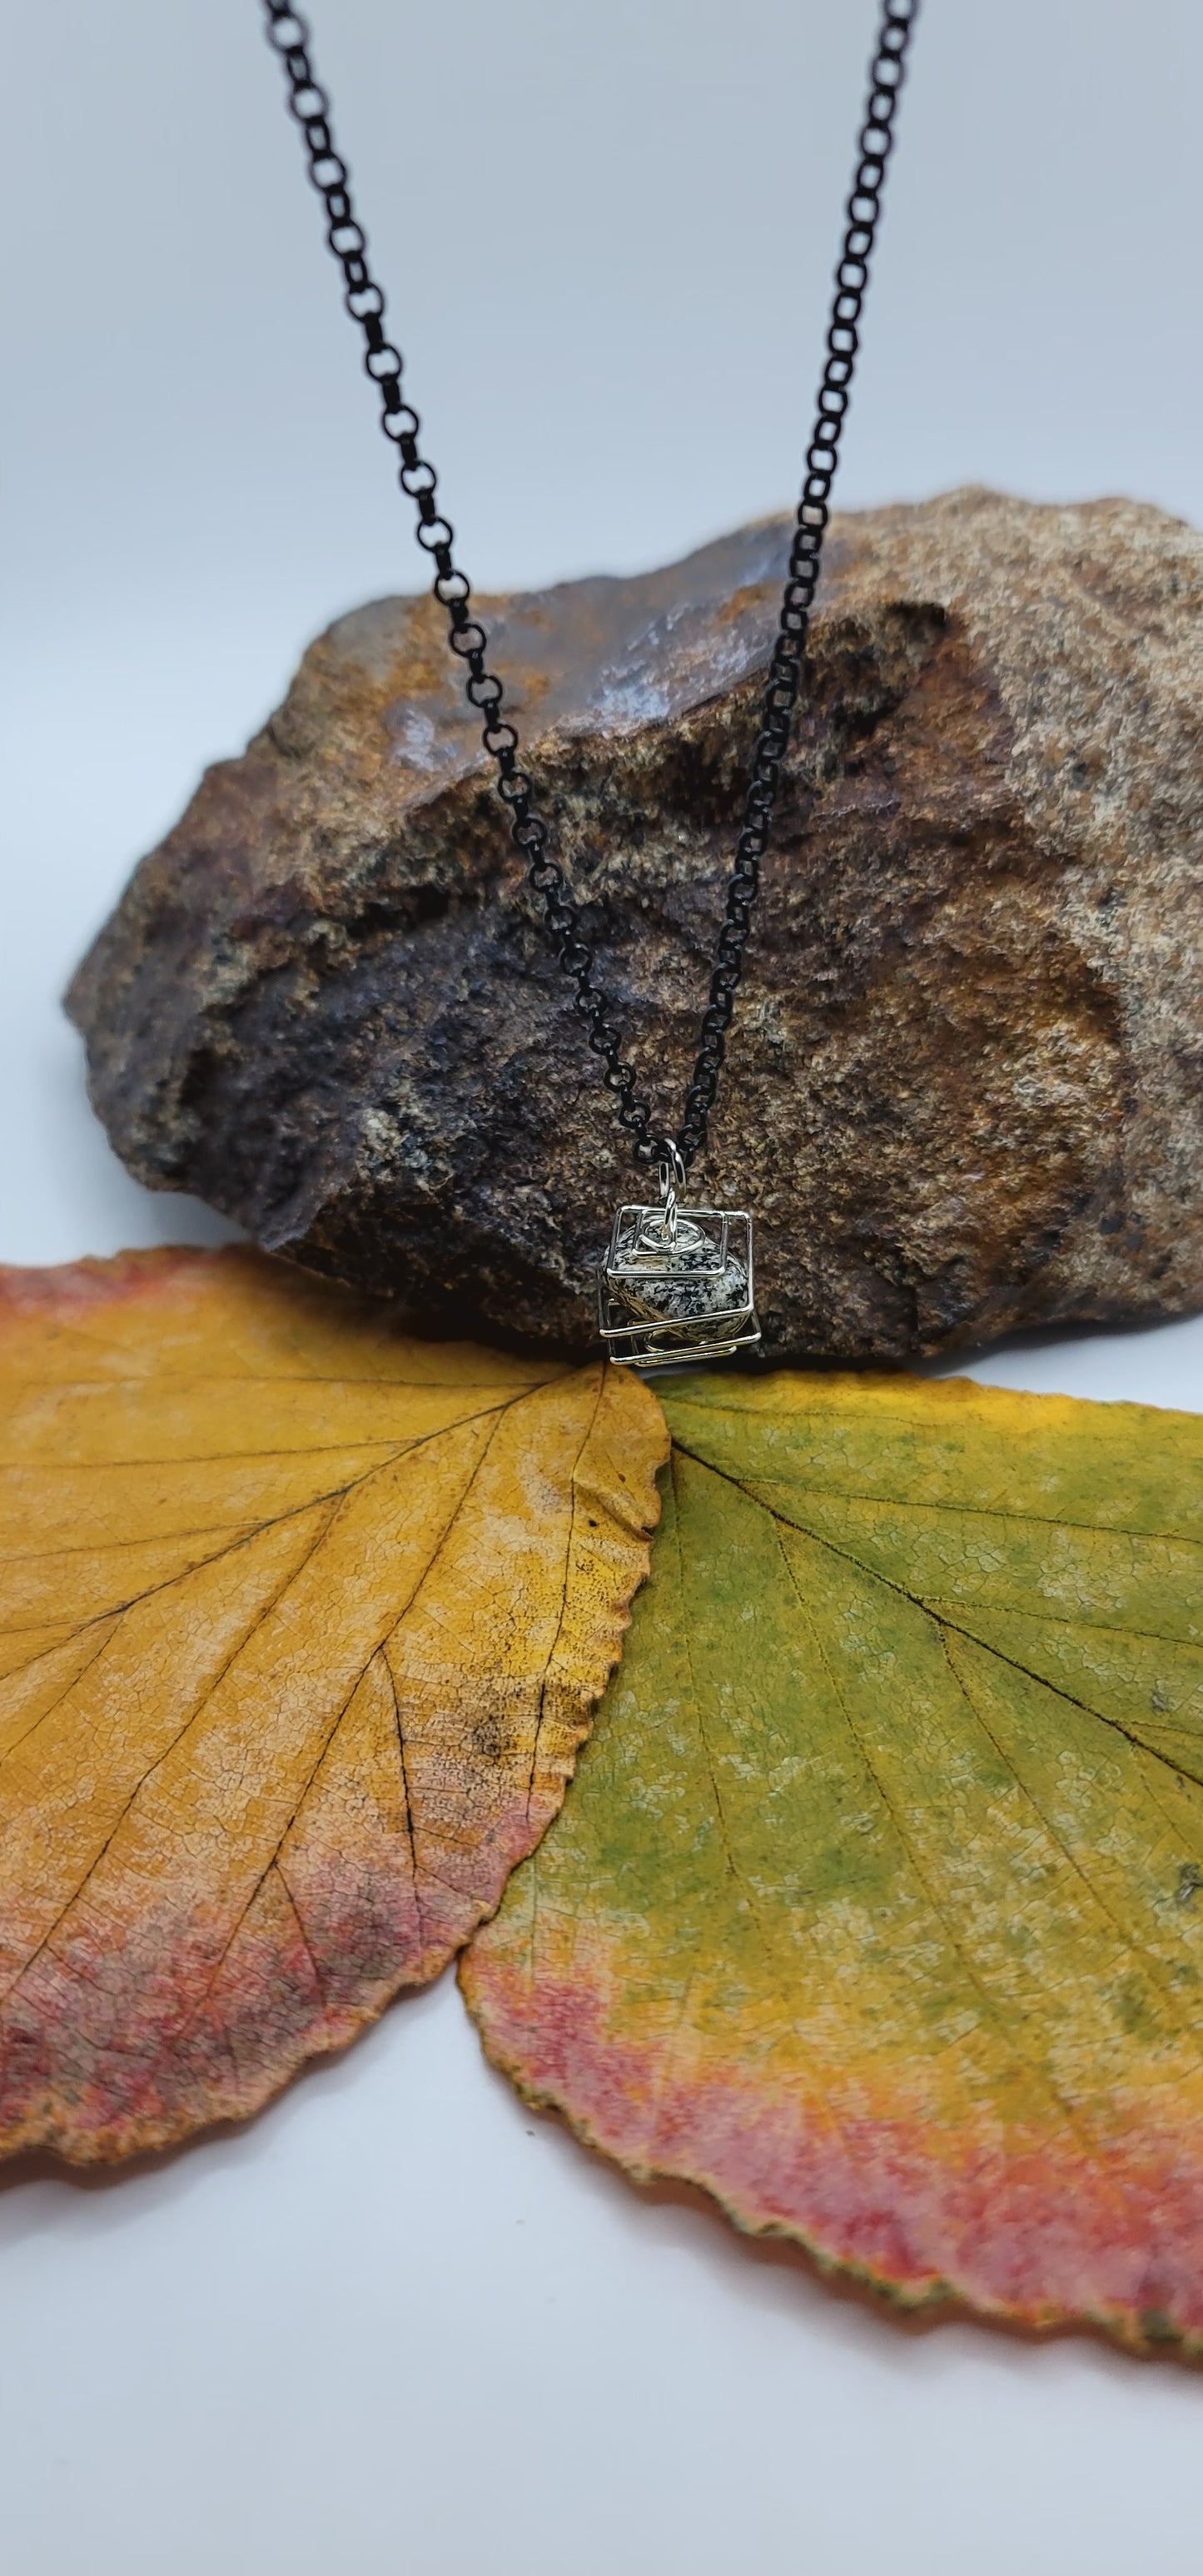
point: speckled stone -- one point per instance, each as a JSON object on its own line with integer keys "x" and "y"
{"x": 965, "y": 1084}
{"x": 683, "y": 1283}
{"x": 709, "y": 1293}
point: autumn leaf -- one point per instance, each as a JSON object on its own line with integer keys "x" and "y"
{"x": 301, "y": 1626}
{"x": 877, "y": 1905}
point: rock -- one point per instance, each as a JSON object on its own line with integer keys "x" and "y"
{"x": 964, "y": 1090}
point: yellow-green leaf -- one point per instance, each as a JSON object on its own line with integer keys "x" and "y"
{"x": 301, "y": 1624}
{"x": 877, "y": 1906}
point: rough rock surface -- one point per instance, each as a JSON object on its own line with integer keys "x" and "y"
{"x": 965, "y": 1085}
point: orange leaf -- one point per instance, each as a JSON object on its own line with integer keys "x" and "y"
{"x": 302, "y": 1623}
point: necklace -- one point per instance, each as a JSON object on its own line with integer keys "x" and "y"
{"x": 676, "y": 1284}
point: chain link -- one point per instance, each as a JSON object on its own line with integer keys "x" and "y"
{"x": 309, "y": 104}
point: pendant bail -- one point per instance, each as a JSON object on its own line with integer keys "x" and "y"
{"x": 672, "y": 1179}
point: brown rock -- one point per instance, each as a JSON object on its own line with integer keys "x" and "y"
{"x": 964, "y": 1089}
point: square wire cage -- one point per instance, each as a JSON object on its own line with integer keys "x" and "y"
{"x": 676, "y": 1287}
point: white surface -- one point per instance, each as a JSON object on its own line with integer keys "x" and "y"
{"x": 399, "y": 2326}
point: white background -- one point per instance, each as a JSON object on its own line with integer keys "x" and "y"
{"x": 399, "y": 2325}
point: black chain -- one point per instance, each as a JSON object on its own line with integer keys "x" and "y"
{"x": 288, "y": 32}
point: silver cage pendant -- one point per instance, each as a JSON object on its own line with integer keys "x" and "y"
{"x": 676, "y": 1283}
